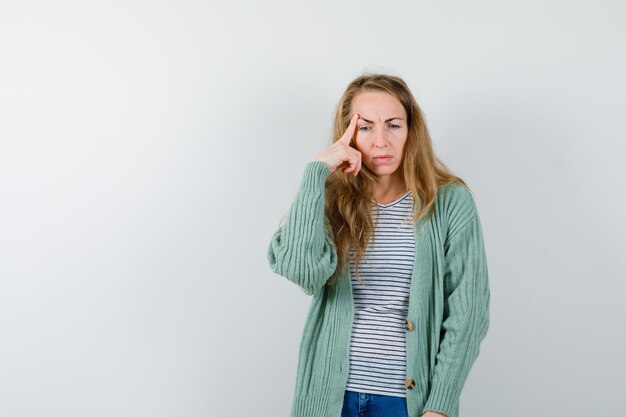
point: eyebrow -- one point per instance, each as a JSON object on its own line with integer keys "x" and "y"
{"x": 388, "y": 120}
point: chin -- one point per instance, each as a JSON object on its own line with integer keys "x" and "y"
{"x": 384, "y": 170}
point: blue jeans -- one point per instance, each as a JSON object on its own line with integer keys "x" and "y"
{"x": 360, "y": 404}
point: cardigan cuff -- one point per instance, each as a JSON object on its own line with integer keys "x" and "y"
{"x": 314, "y": 178}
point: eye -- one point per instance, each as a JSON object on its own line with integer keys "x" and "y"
{"x": 394, "y": 126}
{"x": 364, "y": 128}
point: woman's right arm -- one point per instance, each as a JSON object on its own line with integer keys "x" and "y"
{"x": 300, "y": 249}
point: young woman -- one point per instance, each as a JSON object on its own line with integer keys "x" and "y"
{"x": 389, "y": 244}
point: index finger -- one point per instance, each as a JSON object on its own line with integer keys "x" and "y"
{"x": 349, "y": 134}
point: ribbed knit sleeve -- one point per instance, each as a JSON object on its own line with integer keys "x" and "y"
{"x": 466, "y": 314}
{"x": 300, "y": 249}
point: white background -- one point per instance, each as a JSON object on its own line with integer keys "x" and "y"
{"x": 148, "y": 150}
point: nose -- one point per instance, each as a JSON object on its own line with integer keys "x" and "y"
{"x": 381, "y": 138}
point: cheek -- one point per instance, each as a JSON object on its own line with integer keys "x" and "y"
{"x": 402, "y": 140}
{"x": 359, "y": 145}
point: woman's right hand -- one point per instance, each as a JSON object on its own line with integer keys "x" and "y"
{"x": 341, "y": 151}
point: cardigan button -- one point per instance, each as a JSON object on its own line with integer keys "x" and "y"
{"x": 409, "y": 383}
{"x": 409, "y": 325}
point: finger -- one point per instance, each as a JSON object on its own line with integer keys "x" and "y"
{"x": 358, "y": 164}
{"x": 354, "y": 163}
{"x": 343, "y": 166}
{"x": 351, "y": 166}
{"x": 349, "y": 133}
{"x": 352, "y": 127}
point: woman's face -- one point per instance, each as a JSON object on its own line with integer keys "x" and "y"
{"x": 381, "y": 131}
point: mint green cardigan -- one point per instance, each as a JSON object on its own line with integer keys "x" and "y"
{"x": 448, "y": 301}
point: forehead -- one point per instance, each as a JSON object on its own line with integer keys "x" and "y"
{"x": 377, "y": 103}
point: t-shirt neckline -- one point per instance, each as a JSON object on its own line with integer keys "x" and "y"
{"x": 393, "y": 202}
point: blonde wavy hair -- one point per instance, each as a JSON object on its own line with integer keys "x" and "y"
{"x": 348, "y": 198}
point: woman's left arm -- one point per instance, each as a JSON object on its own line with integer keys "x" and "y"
{"x": 466, "y": 314}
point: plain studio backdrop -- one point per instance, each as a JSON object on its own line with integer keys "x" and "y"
{"x": 149, "y": 149}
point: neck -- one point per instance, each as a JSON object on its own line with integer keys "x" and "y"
{"x": 388, "y": 188}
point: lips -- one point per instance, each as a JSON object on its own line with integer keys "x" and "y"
{"x": 382, "y": 159}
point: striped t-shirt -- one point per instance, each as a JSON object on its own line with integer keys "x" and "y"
{"x": 381, "y": 301}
